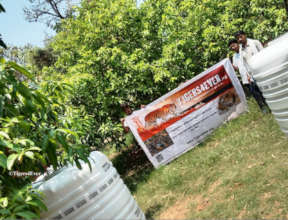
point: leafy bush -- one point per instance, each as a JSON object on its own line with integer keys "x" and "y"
{"x": 32, "y": 137}
{"x": 72, "y": 117}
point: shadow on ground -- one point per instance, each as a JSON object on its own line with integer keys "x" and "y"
{"x": 133, "y": 166}
{"x": 151, "y": 211}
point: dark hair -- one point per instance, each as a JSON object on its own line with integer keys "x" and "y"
{"x": 233, "y": 41}
{"x": 124, "y": 105}
{"x": 239, "y": 33}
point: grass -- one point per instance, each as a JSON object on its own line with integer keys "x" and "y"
{"x": 240, "y": 171}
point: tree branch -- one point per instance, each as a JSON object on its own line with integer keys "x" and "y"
{"x": 55, "y": 8}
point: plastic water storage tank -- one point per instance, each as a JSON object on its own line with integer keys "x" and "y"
{"x": 80, "y": 194}
{"x": 270, "y": 69}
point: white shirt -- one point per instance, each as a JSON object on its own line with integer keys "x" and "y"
{"x": 243, "y": 70}
{"x": 239, "y": 59}
{"x": 252, "y": 47}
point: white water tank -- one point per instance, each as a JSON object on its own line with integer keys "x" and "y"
{"x": 80, "y": 194}
{"x": 270, "y": 69}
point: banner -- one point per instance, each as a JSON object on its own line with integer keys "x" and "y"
{"x": 181, "y": 119}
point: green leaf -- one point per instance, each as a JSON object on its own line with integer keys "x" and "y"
{"x": 28, "y": 198}
{"x": 25, "y": 126}
{"x": 27, "y": 215}
{"x": 11, "y": 160}
{"x": 24, "y": 91}
{"x": 67, "y": 131}
{"x": 38, "y": 98}
{"x": 4, "y": 202}
{"x": 45, "y": 142}
{"x": 51, "y": 151}
{"x": 38, "y": 203}
{"x": 88, "y": 162}
{"x": 22, "y": 141}
{"x": 2, "y": 60}
{"x": 62, "y": 141}
{"x": 29, "y": 154}
{"x": 6, "y": 144}
{"x": 35, "y": 148}
{"x": 3, "y": 160}
{"x": 20, "y": 208}
{"x": 4, "y": 134}
{"x": 1, "y": 106}
{"x": 21, "y": 70}
{"x": 4, "y": 212}
{"x": 20, "y": 157}
{"x": 78, "y": 164}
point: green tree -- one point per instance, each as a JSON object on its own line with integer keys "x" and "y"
{"x": 32, "y": 136}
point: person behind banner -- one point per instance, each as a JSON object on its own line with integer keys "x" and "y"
{"x": 129, "y": 139}
{"x": 249, "y": 46}
{"x": 127, "y": 111}
{"x": 240, "y": 65}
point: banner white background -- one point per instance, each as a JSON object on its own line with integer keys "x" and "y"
{"x": 181, "y": 119}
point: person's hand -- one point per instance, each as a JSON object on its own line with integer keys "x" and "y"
{"x": 126, "y": 129}
{"x": 235, "y": 67}
{"x": 249, "y": 79}
{"x": 182, "y": 83}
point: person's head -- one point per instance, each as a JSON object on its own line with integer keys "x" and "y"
{"x": 126, "y": 108}
{"x": 233, "y": 45}
{"x": 241, "y": 37}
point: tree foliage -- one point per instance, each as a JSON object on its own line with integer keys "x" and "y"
{"x": 42, "y": 57}
{"x": 34, "y": 133}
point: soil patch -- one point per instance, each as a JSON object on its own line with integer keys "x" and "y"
{"x": 178, "y": 211}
